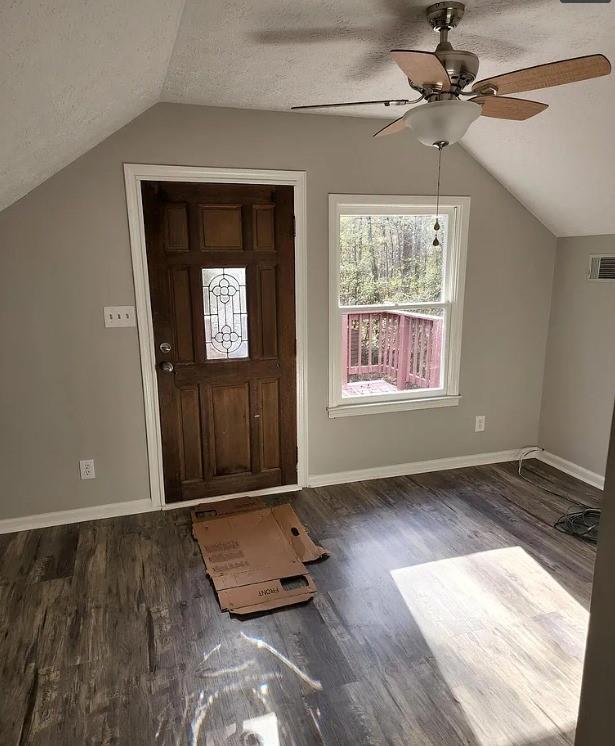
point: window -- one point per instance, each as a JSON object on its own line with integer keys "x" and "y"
{"x": 396, "y": 302}
{"x": 225, "y": 314}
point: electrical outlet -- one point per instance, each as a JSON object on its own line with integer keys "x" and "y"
{"x": 120, "y": 316}
{"x": 86, "y": 469}
{"x": 479, "y": 424}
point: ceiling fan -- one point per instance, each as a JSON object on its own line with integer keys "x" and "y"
{"x": 440, "y": 78}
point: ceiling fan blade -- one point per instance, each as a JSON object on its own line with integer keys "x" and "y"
{"x": 393, "y": 128}
{"x": 385, "y": 102}
{"x": 500, "y": 107}
{"x": 547, "y": 76}
{"x": 422, "y": 68}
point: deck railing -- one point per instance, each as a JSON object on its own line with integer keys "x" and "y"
{"x": 402, "y": 347}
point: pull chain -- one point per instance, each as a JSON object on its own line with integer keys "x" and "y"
{"x": 440, "y": 146}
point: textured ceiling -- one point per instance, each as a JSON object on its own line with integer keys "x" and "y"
{"x": 74, "y": 71}
{"x": 81, "y": 70}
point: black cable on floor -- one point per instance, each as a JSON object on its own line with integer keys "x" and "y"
{"x": 582, "y": 523}
{"x": 580, "y": 520}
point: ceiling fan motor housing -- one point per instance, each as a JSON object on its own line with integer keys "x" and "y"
{"x": 462, "y": 67}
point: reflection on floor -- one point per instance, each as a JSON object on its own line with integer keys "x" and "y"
{"x": 368, "y": 388}
{"x": 449, "y": 613}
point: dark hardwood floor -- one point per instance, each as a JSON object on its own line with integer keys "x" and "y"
{"x": 450, "y": 612}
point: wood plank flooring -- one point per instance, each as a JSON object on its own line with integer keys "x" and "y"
{"x": 450, "y": 612}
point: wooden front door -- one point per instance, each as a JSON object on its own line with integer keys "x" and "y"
{"x": 221, "y": 274}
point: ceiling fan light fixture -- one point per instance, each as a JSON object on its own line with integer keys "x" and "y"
{"x": 442, "y": 121}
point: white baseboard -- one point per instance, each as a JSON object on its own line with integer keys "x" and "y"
{"x": 416, "y": 467}
{"x": 113, "y": 510}
{"x": 60, "y": 517}
{"x": 580, "y": 472}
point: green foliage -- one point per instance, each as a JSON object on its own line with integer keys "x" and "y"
{"x": 390, "y": 258}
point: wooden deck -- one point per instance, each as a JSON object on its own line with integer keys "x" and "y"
{"x": 450, "y": 612}
{"x": 368, "y": 388}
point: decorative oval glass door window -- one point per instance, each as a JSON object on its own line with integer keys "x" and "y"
{"x": 225, "y": 313}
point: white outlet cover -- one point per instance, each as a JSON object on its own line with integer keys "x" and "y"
{"x": 86, "y": 469}
{"x": 479, "y": 425}
{"x": 120, "y": 316}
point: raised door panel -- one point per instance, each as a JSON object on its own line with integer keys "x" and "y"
{"x": 175, "y": 228}
{"x": 268, "y": 311}
{"x": 263, "y": 227}
{"x": 220, "y": 227}
{"x": 230, "y": 429}
{"x": 182, "y": 308}
{"x": 270, "y": 424}
{"x": 191, "y": 461}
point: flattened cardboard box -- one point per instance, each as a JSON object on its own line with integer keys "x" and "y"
{"x": 249, "y": 549}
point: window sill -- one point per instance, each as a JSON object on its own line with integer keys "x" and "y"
{"x": 382, "y": 407}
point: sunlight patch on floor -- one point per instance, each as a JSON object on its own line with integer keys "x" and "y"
{"x": 507, "y": 638}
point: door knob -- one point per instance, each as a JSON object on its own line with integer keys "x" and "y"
{"x": 167, "y": 367}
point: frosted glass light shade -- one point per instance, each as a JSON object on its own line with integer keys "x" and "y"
{"x": 442, "y": 121}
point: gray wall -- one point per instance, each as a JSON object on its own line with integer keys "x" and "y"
{"x": 579, "y": 384}
{"x": 71, "y": 389}
{"x": 595, "y": 725}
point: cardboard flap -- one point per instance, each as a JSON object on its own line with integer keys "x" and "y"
{"x": 245, "y": 548}
{"x": 207, "y": 511}
{"x": 264, "y": 596}
{"x": 297, "y": 534}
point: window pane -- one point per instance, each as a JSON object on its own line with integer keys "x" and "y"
{"x": 388, "y": 351}
{"x": 225, "y": 313}
{"x": 391, "y": 259}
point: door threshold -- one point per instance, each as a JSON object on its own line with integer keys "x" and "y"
{"x": 254, "y": 493}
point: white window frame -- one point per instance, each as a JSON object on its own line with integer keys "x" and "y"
{"x": 458, "y": 211}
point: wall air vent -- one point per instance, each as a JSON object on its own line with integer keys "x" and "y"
{"x": 601, "y": 267}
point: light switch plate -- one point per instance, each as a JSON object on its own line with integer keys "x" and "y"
{"x": 120, "y": 316}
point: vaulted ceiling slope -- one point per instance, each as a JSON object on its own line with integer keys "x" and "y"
{"x": 74, "y": 74}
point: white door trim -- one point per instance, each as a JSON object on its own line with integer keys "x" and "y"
{"x": 134, "y": 174}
